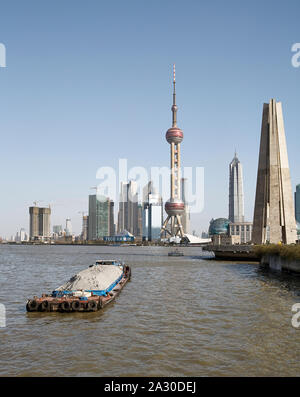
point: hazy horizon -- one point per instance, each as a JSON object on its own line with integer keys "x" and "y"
{"x": 86, "y": 84}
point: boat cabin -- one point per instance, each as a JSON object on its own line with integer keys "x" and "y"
{"x": 107, "y": 262}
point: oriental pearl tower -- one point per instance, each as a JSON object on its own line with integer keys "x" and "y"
{"x": 174, "y": 206}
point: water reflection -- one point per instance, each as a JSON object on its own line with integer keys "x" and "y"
{"x": 178, "y": 316}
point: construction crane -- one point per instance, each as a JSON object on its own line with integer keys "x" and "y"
{"x": 82, "y": 212}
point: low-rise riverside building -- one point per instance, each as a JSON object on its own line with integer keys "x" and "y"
{"x": 241, "y": 229}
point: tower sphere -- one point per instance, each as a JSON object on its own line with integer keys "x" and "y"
{"x": 174, "y": 207}
{"x": 174, "y": 135}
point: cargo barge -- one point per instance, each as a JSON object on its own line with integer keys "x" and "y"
{"x": 82, "y": 300}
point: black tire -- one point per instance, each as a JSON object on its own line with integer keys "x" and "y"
{"x": 32, "y": 305}
{"x": 92, "y": 305}
{"x": 76, "y": 305}
{"x": 44, "y": 306}
{"x": 100, "y": 304}
{"x": 65, "y": 306}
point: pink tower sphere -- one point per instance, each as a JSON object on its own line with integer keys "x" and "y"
{"x": 174, "y": 135}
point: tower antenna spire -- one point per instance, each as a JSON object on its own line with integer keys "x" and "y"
{"x": 174, "y": 77}
{"x": 174, "y": 106}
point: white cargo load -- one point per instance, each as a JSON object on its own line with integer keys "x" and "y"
{"x": 97, "y": 277}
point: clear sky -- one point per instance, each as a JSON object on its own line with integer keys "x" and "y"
{"x": 89, "y": 82}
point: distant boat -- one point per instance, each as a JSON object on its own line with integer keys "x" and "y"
{"x": 175, "y": 253}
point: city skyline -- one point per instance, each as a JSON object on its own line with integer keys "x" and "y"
{"x": 70, "y": 99}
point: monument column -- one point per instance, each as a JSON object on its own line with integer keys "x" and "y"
{"x": 274, "y": 217}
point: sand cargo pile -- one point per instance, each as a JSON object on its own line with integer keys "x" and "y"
{"x": 89, "y": 290}
{"x": 96, "y": 277}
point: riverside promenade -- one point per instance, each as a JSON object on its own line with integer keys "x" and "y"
{"x": 233, "y": 252}
{"x": 275, "y": 257}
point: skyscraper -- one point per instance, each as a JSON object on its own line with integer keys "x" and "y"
{"x": 274, "y": 215}
{"x": 152, "y": 213}
{"x": 84, "y": 233}
{"x": 139, "y": 221}
{"x": 128, "y": 217}
{"x": 33, "y": 222}
{"x": 100, "y": 219}
{"x": 68, "y": 229}
{"x": 22, "y": 236}
{"x": 39, "y": 223}
{"x": 57, "y": 229}
{"x": 236, "y": 191}
{"x": 123, "y": 207}
{"x": 174, "y": 206}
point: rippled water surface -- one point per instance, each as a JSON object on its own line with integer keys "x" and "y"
{"x": 184, "y": 316}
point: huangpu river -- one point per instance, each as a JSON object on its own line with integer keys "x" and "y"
{"x": 178, "y": 316}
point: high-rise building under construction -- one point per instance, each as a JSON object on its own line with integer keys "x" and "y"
{"x": 39, "y": 223}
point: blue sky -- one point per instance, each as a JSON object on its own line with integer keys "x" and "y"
{"x": 87, "y": 83}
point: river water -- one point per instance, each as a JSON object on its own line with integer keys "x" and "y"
{"x": 183, "y": 316}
